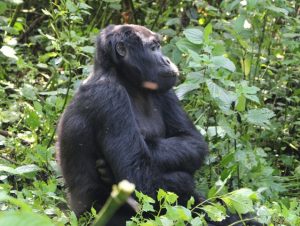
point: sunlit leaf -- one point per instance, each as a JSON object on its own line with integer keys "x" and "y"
{"x": 8, "y": 52}
{"x": 207, "y": 32}
{"x": 20, "y": 170}
{"x": 240, "y": 200}
{"x": 241, "y": 103}
{"x": 22, "y": 218}
{"x": 215, "y": 212}
{"x": 27, "y": 169}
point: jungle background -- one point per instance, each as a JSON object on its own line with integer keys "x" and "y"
{"x": 239, "y": 82}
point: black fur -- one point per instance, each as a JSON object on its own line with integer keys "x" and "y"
{"x": 140, "y": 131}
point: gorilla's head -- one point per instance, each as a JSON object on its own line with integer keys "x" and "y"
{"x": 135, "y": 53}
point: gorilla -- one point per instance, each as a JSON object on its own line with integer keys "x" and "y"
{"x": 127, "y": 114}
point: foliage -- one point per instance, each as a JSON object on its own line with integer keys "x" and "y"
{"x": 239, "y": 83}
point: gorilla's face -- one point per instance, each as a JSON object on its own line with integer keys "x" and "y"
{"x": 137, "y": 56}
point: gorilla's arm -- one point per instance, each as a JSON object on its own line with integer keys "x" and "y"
{"x": 123, "y": 145}
{"x": 184, "y": 148}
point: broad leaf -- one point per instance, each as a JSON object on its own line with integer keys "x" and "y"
{"x": 184, "y": 45}
{"x": 219, "y": 93}
{"x": 22, "y": 218}
{"x": 185, "y": 88}
{"x": 20, "y": 170}
{"x": 221, "y": 61}
{"x": 8, "y": 52}
{"x": 215, "y": 212}
{"x": 260, "y": 117}
{"x": 277, "y": 9}
{"x": 194, "y": 35}
{"x": 240, "y": 200}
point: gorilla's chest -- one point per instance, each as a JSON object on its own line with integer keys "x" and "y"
{"x": 149, "y": 118}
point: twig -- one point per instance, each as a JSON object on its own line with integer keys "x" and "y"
{"x": 9, "y": 160}
{"x": 64, "y": 105}
{"x": 243, "y": 221}
{"x": 15, "y": 16}
{"x": 133, "y": 11}
{"x": 262, "y": 37}
{"x": 163, "y": 5}
{"x": 32, "y": 26}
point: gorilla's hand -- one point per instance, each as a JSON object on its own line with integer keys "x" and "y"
{"x": 105, "y": 172}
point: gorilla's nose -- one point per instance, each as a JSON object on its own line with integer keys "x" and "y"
{"x": 166, "y": 61}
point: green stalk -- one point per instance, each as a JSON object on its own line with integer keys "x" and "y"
{"x": 118, "y": 197}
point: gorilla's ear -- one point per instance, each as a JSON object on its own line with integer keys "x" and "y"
{"x": 120, "y": 49}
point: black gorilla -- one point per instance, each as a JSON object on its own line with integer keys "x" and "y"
{"x": 127, "y": 114}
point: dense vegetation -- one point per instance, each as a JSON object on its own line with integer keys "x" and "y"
{"x": 240, "y": 83}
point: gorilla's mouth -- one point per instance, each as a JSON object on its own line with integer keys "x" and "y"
{"x": 150, "y": 85}
{"x": 169, "y": 74}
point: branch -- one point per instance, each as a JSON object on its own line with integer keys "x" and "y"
{"x": 32, "y": 26}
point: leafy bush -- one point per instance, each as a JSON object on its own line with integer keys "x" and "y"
{"x": 240, "y": 84}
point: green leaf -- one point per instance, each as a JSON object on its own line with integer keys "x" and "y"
{"x": 254, "y": 98}
{"x": 22, "y": 218}
{"x": 88, "y": 49}
{"x": 29, "y": 92}
{"x": 207, "y": 32}
{"x": 241, "y": 103}
{"x": 277, "y": 10}
{"x": 218, "y": 92}
{"x": 161, "y": 194}
{"x": 171, "y": 197}
{"x": 8, "y": 52}
{"x": 221, "y": 61}
{"x": 196, "y": 222}
{"x": 7, "y": 169}
{"x": 32, "y": 118}
{"x": 215, "y": 212}
{"x": 3, "y": 7}
{"x": 219, "y": 49}
{"x": 184, "y": 213}
{"x": 194, "y": 35}
{"x": 147, "y": 207}
{"x": 19, "y": 170}
{"x": 184, "y": 45}
{"x": 238, "y": 24}
{"x": 178, "y": 213}
{"x": 190, "y": 203}
{"x": 165, "y": 221}
{"x": 246, "y": 65}
{"x": 44, "y": 58}
{"x": 185, "y": 88}
{"x": 240, "y": 200}
{"x": 71, "y": 6}
{"x": 27, "y": 169}
{"x": 260, "y": 117}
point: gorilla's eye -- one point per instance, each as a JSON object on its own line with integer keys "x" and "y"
{"x": 155, "y": 46}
